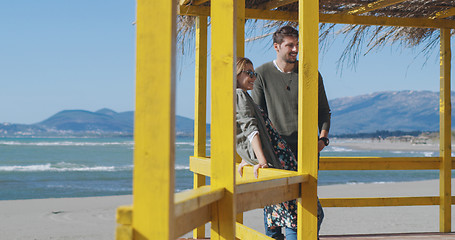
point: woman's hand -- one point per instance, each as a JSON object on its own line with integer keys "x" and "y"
{"x": 256, "y": 168}
{"x": 240, "y": 168}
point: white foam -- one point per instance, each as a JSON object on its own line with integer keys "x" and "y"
{"x": 66, "y": 143}
{"x": 181, "y": 167}
{"x": 340, "y": 149}
{"x": 62, "y": 167}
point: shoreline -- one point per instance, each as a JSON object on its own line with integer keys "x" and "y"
{"x": 94, "y": 217}
{"x": 384, "y": 144}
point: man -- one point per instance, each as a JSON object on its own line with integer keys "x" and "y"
{"x": 276, "y": 91}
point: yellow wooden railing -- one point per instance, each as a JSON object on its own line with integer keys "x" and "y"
{"x": 159, "y": 213}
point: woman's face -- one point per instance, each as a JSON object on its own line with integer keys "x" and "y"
{"x": 246, "y": 78}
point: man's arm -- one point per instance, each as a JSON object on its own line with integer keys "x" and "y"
{"x": 323, "y": 114}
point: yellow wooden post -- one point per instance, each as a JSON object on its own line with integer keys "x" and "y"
{"x": 240, "y": 28}
{"x": 200, "y": 105}
{"x": 153, "y": 179}
{"x": 240, "y": 53}
{"x": 445, "y": 133}
{"x": 223, "y": 22}
{"x": 308, "y": 117}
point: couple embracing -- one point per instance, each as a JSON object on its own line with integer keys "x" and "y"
{"x": 267, "y": 123}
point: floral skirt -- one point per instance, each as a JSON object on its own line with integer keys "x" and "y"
{"x": 283, "y": 214}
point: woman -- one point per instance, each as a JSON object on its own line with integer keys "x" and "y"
{"x": 259, "y": 144}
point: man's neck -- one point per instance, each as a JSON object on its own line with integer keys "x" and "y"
{"x": 285, "y": 66}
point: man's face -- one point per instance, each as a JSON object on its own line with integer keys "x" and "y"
{"x": 288, "y": 49}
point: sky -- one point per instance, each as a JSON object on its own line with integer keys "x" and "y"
{"x": 78, "y": 54}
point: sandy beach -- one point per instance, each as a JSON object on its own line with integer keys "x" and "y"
{"x": 94, "y": 217}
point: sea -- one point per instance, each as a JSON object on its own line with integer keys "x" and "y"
{"x": 33, "y": 168}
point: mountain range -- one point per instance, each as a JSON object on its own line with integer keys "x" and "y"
{"x": 389, "y": 111}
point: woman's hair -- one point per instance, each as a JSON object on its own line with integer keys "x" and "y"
{"x": 241, "y": 63}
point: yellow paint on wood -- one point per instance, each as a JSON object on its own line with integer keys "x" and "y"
{"x": 154, "y": 131}
{"x": 200, "y": 105}
{"x": 444, "y": 14}
{"x": 308, "y": 117}
{"x": 200, "y": 88}
{"x": 200, "y": 165}
{"x": 272, "y": 4}
{"x": 223, "y": 26}
{"x": 257, "y": 199}
{"x": 188, "y": 221}
{"x": 379, "y": 202}
{"x": 123, "y": 232}
{"x": 240, "y": 29}
{"x": 330, "y": 18}
{"x": 194, "y": 199}
{"x": 270, "y": 182}
{"x": 379, "y": 163}
{"x": 372, "y": 6}
{"x": 124, "y": 215}
{"x": 445, "y": 132}
{"x": 244, "y": 232}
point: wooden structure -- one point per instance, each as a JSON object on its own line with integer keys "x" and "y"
{"x": 159, "y": 213}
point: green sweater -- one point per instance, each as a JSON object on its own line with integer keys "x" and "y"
{"x": 277, "y": 94}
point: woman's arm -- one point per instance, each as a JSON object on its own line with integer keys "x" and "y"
{"x": 257, "y": 148}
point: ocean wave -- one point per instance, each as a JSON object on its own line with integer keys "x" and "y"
{"x": 63, "y": 167}
{"x": 181, "y": 167}
{"x": 70, "y": 167}
{"x": 339, "y": 149}
{"x": 66, "y": 143}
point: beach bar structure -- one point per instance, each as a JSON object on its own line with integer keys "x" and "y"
{"x": 159, "y": 213}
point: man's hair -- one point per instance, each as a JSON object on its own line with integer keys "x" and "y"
{"x": 241, "y": 63}
{"x": 282, "y": 32}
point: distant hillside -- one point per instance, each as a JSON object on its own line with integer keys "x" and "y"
{"x": 405, "y": 111}
{"x": 104, "y": 122}
{"x": 391, "y": 111}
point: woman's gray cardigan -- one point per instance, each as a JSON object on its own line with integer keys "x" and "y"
{"x": 249, "y": 119}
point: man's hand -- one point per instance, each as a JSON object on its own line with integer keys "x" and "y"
{"x": 321, "y": 145}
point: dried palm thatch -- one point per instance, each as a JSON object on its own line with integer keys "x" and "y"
{"x": 372, "y": 37}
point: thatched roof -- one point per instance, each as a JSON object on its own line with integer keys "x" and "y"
{"x": 407, "y": 22}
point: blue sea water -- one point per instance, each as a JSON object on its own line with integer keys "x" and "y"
{"x": 79, "y": 167}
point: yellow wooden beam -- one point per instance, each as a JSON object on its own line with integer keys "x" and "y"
{"x": 330, "y": 18}
{"x": 124, "y": 232}
{"x": 124, "y": 219}
{"x": 184, "y": 223}
{"x": 371, "y": 6}
{"x": 445, "y": 133}
{"x": 379, "y": 202}
{"x": 444, "y": 14}
{"x": 191, "y": 200}
{"x": 154, "y": 127}
{"x": 200, "y": 105}
{"x": 387, "y": 21}
{"x": 263, "y": 183}
{"x": 200, "y": 88}
{"x": 308, "y": 117}
{"x": 223, "y": 79}
{"x": 275, "y": 4}
{"x": 240, "y": 33}
{"x": 200, "y": 165}
{"x": 244, "y": 232}
{"x": 257, "y": 199}
{"x": 379, "y": 163}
